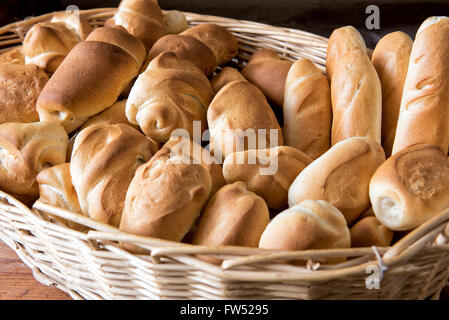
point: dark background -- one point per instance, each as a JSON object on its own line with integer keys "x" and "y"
{"x": 318, "y": 16}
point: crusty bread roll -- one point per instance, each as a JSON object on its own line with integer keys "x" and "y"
{"x": 356, "y": 96}
{"x": 46, "y": 45}
{"x": 223, "y": 43}
{"x": 411, "y": 187}
{"x": 369, "y": 232}
{"x": 340, "y": 176}
{"x": 106, "y": 66}
{"x": 307, "y": 109}
{"x": 308, "y": 225}
{"x": 391, "y": 59}
{"x": 226, "y": 75}
{"x": 14, "y": 56}
{"x": 342, "y": 41}
{"x": 268, "y": 72}
{"x": 171, "y": 94}
{"x": 20, "y": 86}
{"x": 267, "y": 172}
{"x": 165, "y": 197}
{"x": 25, "y": 150}
{"x": 104, "y": 160}
{"x": 424, "y": 112}
{"x": 175, "y": 22}
{"x": 141, "y": 18}
{"x": 74, "y": 22}
{"x": 234, "y": 216}
{"x": 237, "y": 111}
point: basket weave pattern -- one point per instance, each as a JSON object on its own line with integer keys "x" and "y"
{"x": 89, "y": 265}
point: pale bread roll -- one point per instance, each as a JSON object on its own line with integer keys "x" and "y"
{"x": 340, "y": 176}
{"x": 234, "y": 216}
{"x": 307, "y": 109}
{"x": 424, "y": 112}
{"x": 267, "y": 172}
{"x": 411, "y": 187}
{"x": 74, "y": 22}
{"x": 175, "y": 22}
{"x": 226, "y": 75}
{"x": 369, "y": 232}
{"x": 391, "y": 59}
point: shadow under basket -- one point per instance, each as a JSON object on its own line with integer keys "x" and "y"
{"x": 89, "y": 264}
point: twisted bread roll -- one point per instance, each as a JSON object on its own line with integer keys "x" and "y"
{"x": 267, "y": 172}
{"x": 411, "y": 187}
{"x": 340, "y": 176}
{"x": 390, "y": 59}
{"x": 424, "y": 112}
{"x": 25, "y": 150}
{"x": 268, "y": 72}
{"x": 20, "y": 86}
{"x": 171, "y": 94}
{"x": 14, "y": 56}
{"x": 74, "y": 22}
{"x": 307, "y": 109}
{"x": 369, "y": 232}
{"x": 234, "y": 216}
{"x": 240, "y": 109}
{"x": 108, "y": 60}
{"x": 226, "y": 75}
{"x": 104, "y": 160}
{"x": 46, "y": 45}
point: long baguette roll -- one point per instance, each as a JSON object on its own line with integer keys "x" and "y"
{"x": 391, "y": 59}
{"x": 91, "y": 77}
{"x": 307, "y": 109}
{"x": 424, "y": 114}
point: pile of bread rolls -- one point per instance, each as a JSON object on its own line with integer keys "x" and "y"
{"x": 103, "y": 122}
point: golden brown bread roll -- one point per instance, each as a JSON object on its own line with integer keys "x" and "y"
{"x": 74, "y": 22}
{"x": 226, "y": 75}
{"x": 175, "y": 22}
{"x": 308, "y": 225}
{"x": 390, "y": 59}
{"x": 20, "y": 86}
{"x": 165, "y": 196}
{"x": 267, "y": 172}
{"x": 411, "y": 187}
{"x": 104, "y": 160}
{"x": 46, "y": 45}
{"x": 171, "y": 94}
{"x": 268, "y": 72}
{"x": 25, "y": 150}
{"x": 14, "y": 56}
{"x": 340, "y": 176}
{"x": 307, "y": 109}
{"x": 106, "y": 69}
{"x": 424, "y": 112}
{"x": 234, "y": 216}
{"x": 369, "y": 232}
{"x": 240, "y": 109}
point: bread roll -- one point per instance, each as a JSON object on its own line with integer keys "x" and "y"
{"x": 267, "y": 172}
{"x": 356, "y": 96}
{"x": 226, "y": 75}
{"x": 171, "y": 94}
{"x": 141, "y": 18}
{"x": 307, "y": 225}
{"x": 46, "y": 45}
{"x": 390, "y": 59}
{"x": 424, "y": 112}
{"x": 165, "y": 197}
{"x": 239, "y": 109}
{"x": 342, "y": 41}
{"x": 268, "y": 72}
{"x": 175, "y": 22}
{"x": 223, "y": 43}
{"x": 104, "y": 160}
{"x": 25, "y": 150}
{"x": 106, "y": 69}
{"x": 20, "y": 86}
{"x": 340, "y": 176}
{"x": 307, "y": 109}
{"x": 411, "y": 187}
{"x": 74, "y": 22}
{"x": 370, "y": 232}
{"x": 234, "y": 216}
{"x": 14, "y": 56}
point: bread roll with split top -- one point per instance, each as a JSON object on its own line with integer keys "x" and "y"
{"x": 307, "y": 109}
{"x": 25, "y": 150}
{"x": 369, "y": 232}
{"x": 74, "y": 22}
{"x": 104, "y": 160}
{"x": 424, "y": 112}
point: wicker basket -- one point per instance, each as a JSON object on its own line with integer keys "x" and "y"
{"x": 90, "y": 265}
